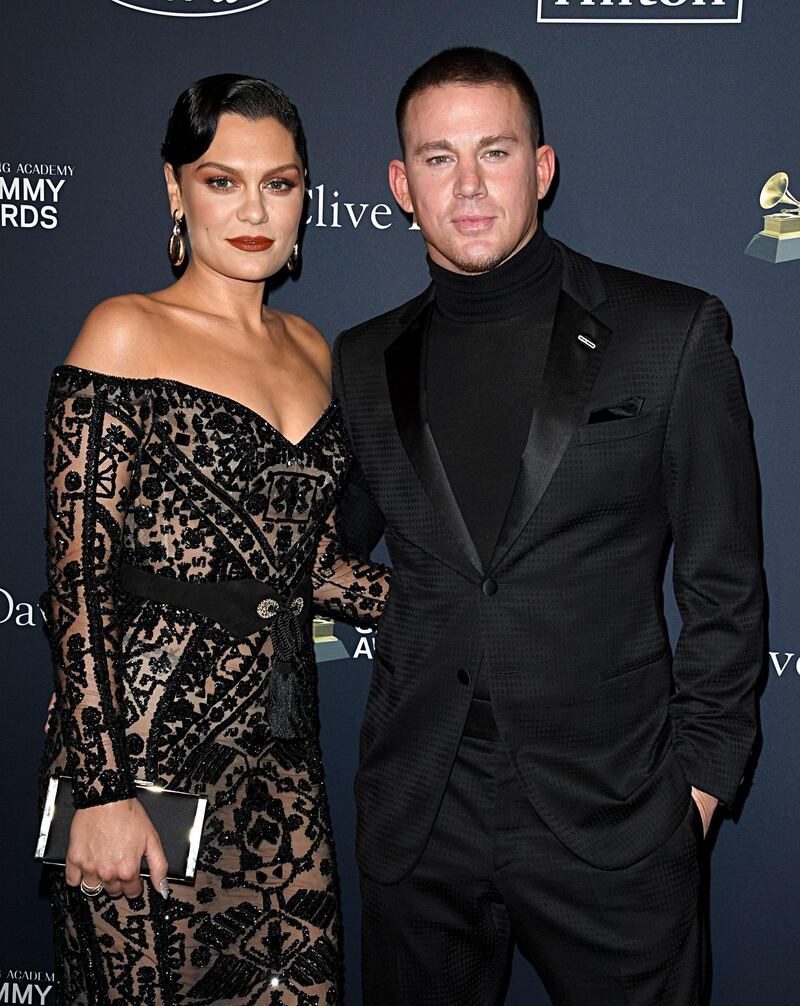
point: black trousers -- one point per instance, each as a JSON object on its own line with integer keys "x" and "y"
{"x": 493, "y": 875}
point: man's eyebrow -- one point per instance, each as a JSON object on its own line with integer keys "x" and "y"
{"x": 434, "y": 145}
{"x": 491, "y": 141}
{"x": 485, "y": 141}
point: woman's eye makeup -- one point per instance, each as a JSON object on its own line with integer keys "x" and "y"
{"x": 224, "y": 183}
{"x": 220, "y": 182}
{"x": 281, "y": 184}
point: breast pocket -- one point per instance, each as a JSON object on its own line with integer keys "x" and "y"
{"x": 619, "y": 429}
{"x": 612, "y": 464}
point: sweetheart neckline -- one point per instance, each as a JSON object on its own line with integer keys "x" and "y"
{"x": 295, "y": 444}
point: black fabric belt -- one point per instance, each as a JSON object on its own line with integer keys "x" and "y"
{"x": 480, "y": 721}
{"x": 242, "y": 607}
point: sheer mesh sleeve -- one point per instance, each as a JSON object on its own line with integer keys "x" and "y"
{"x": 347, "y": 588}
{"x": 93, "y": 435}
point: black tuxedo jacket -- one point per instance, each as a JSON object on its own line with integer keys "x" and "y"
{"x": 640, "y": 437}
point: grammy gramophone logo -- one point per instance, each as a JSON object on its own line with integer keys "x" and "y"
{"x": 779, "y": 239}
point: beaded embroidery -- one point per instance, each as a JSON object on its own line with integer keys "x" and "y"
{"x": 190, "y": 484}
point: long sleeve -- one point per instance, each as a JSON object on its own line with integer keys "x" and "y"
{"x": 93, "y": 436}
{"x": 345, "y": 587}
{"x": 712, "y": 497}
{"x": 359, "y": 521}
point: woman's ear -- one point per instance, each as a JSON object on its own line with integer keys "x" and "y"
{"x": 173, "y": 190}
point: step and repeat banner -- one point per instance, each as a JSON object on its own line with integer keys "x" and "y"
{"x": 678, "y": 154}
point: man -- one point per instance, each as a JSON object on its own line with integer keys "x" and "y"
{"x": 530, "y": 434}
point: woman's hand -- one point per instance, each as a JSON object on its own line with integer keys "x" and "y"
{"x": 106, "y": 846}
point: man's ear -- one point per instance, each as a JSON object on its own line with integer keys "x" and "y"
{"x": 545, "y": 169}
{"x": 173, "y": 190}
{"x": 398, "y": 183}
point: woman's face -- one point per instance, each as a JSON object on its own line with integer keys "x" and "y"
{"x": 242, "y": 199}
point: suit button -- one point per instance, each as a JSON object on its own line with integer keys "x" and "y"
{"x": 489, "y": 586}
{"x": 463, "y": 676}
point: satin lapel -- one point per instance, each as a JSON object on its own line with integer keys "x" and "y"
{"x": 569, "y": 373}
{"x": 405, "y": 374}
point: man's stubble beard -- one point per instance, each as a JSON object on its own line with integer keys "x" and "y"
{"x": 475, "y": 266}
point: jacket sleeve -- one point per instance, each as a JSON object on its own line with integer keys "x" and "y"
{"x": 359, "y": 521}
{"x": 712, "y": 496}
{"x": 347, "y": 585}
{"x": 93, "y": 434}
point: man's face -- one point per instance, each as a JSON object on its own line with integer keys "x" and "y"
{"x": 471, "y": 175}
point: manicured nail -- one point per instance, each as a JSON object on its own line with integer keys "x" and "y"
{"x": 163, "y": 889}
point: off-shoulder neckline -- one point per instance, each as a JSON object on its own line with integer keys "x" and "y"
{"x": 215, "y": 395}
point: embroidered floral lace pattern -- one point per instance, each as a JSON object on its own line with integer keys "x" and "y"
{"x": 189, "y": 484}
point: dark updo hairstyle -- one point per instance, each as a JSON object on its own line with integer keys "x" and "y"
{"x": 193, "y": 121}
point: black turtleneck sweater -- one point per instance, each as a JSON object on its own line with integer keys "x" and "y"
{"x": 486, "y": 349}
{"x": 486, "y": 345}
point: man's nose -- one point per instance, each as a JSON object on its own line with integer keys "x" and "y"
{"x": 469, "y": 181}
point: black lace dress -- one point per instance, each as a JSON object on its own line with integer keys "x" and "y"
{"x": 183, "y": 486}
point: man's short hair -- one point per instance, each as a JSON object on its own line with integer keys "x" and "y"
{"x": 471, "y": 65}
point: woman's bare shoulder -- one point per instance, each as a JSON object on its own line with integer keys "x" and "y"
{"x": 309, "y": 340}
{"x": 119, "y": 337}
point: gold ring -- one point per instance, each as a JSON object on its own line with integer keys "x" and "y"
{"x": 91, "y": 892}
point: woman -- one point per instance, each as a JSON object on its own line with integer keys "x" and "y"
{"x": 192, "y": 441}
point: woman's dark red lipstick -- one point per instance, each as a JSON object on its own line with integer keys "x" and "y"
{"x": 251, "y": 243}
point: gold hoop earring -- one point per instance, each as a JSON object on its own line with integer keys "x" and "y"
{"x": 176, "y": 248}
{"x": 294, "y": 258}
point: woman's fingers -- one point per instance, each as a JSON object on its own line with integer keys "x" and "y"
{"x": 133, "y": 888}
{"x": 74, "y": 873}
{"x": 122, "y": 877}
{"x": 157, "y": 863}
{"x": 113, "y": 888}
{"x": 130, "y": 880}
{"x": 107, "y": 843}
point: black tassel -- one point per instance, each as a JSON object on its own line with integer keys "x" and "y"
{"x": 284, "y": 702}
{"x": 286, "y": 713}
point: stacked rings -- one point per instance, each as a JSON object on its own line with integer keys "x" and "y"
{"x": 91, "y": 892}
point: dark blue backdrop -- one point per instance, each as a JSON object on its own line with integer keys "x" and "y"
{"x": 665, "y": 134}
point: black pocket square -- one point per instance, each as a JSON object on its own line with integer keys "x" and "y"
{"x": 628, "y": 409}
